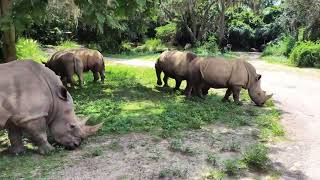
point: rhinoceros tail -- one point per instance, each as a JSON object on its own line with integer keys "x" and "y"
{"x": 158, "y": 72}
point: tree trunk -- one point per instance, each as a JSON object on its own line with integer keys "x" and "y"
{"x": 222, "y": 23}
{"x": 9, "y": 35}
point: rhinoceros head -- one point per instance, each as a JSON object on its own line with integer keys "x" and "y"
{"x": 257, "y": 95}
{"x": 66, "y": 128}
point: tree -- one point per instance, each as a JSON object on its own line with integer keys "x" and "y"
{"x": 195, "y": 17}
{"x": 9, "y": 49}
{"x": 19, "y": 14}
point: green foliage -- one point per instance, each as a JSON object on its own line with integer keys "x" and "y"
{"x": 215, "y": 175}
{"x": 167, "y": 32}
{"x": 176, "y": 145}
{"x": 94, "y": 46}
{"x": 280, "y": 47}
{"x": 234, "y": 167}
{"x": 256, "y": 156}
{"x": 151, "y": 45}
{"x": 209, "y": 47}
{"x": 30, "y": 49}
{"x": 68, "y": 45}
{"x": 306, "y": 54}
{"x": 212, "y": 159}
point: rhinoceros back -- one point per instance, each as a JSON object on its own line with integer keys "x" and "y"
{"x": 24, "y": 91}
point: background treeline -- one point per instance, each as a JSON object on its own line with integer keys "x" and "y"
{"x": 287, "y": 28}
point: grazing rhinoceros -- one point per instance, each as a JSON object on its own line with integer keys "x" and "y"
{"x": 92, "y": 60}
{"x": 66, "y": 64}
{"x": 212, "y": 72}
{"x": 33, "y": 98}
{"x": 174, "y": 64}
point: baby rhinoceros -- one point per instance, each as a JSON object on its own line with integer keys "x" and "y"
{"x": 174, "y": 64}
{"x": 32, "y": 100}
{"x": 66, "y": 64}
{"x": 212, "y": 72}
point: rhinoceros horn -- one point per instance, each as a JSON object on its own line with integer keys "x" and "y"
{"x": 269, "y": 96}
{"x": 88, "y": 130}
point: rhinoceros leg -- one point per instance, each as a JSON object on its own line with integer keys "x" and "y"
{"x": 15, "y": 137}
{"x": 37, "y": 130}
{"x": 102, "y": 75}
{"x": 95, "y": 76}
{"x": 165, "y": 80}
{"x": 227, "y": 95}
{"x": 178, "y": 84}
{"x": 236, "y": 94}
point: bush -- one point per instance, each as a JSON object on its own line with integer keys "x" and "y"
{"x": 166, "y": 33}
{"x": 256, "y": 157}
{"x": 30, "y": 49}
{"x": 210, "y": 47}
{"x": 94, "y": 46}
{"x": 68, "y": 45}
{"x": 234, "y": 167}
{"x": 306, "y": 54}
{"x": 151, "y": 45}
{"x": 281, "y": 47}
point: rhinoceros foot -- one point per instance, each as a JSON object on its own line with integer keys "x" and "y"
{"x": 17, "y": 150}
{"x": 45, "y": 149}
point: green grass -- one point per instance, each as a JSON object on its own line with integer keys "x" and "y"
{"x": 278, "y": 60}
{"x": 67, "y": 45}
{"x": 129, "y": 101}
{"x": 140, "y": 56}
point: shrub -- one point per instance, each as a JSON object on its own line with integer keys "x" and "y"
{"x": 256, "y": 157}
{"x": 210, "y": 47}
{"x": 151, "y": 45}
{"x": 68, "y": 45}
{"x": 30, "y": 49}
{"x": 127, "y": 46}
{"x": 306, "y": 54}
{"x": 167, "y": 32}
{"x": 281, "y": 47}
{"x": 94, "y": 46}
{"x": 234, "y": 167}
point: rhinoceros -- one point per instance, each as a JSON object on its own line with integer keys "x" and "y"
{"x": 66, "y": 64}
{"x": 173, "y": 64}
{"x": 32, "y": 100}
{"x": 234, "y": 75}
{"x": 92, "y": 60}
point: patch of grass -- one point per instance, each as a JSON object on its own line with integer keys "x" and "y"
{"x": 215, "y": 175}
{"x": 115, "y": 146}
{"x": 30, "y": 49}
{"x": 139, "y": 56}
{"x": 176, "y": 145}
{"x": 67, "y": 45}
{"x": 256, "y": 157}
{"x": 232, "y": 146}
{"x": 212, "y": 159}
{"x": 234, "y": 167}
{"x": 30, "y": 165}
{"x": 173, "y": 171}
{"x": 278, "y": 60}
{"x": 97, "y": 151}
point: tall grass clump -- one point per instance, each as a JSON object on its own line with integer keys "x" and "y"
{"x": 67, "y": 45}
{"x": 306, "y": 54}
{"x": 30, "y": 49}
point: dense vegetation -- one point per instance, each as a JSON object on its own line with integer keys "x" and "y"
{"x": 153, "y": 26}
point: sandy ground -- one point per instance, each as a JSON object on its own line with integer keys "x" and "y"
{"x": 296, "y": 93}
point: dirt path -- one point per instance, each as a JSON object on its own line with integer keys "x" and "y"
{"x": 296, "y": 93}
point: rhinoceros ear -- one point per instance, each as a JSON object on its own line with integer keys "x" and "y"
{"x": 63, "y": 93}
{"x": 258, "y": 77}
